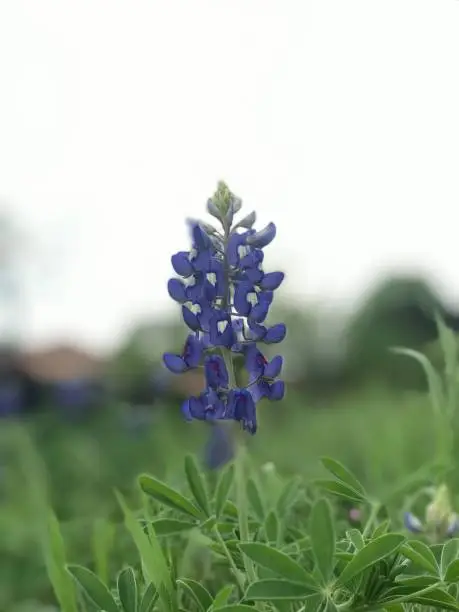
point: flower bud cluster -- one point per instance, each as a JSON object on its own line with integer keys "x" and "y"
{"x": 225, "y": 297}
{"x": 440, "y": 521}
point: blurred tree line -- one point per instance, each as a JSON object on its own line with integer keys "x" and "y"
{"x": 324, "y": 352}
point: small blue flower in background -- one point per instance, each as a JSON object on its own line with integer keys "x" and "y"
{"x": 440, "y": 521}
{"x": 74, "y": 396}
{"x": 11, "y": 400}
{"x": 225, "y": 296}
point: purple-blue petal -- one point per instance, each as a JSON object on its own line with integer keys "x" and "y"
{"x": 216, "y": 372}
{"x": 412, "y": 523}
{"x": 174, "y": 363}
{"x": 190, "y": 319}
{"x": 273, "y": 368}
{"x": 192, "y": 352}
{"x": 276, "y": 390}
{"x": 264, "y": 237}
{"x": 241, "y": 292}
{"x": 186, "y": 409}
{"x": 272, "y": 280}
{"x": 259, "y": 312}
{"x": 177, "y": 290}
{"x": 275, "y": 334}
{"x": 181, "y": 264}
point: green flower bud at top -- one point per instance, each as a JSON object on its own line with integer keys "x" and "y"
{"x": 224, "y": 204}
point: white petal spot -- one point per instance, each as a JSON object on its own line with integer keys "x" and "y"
{"x": 221, "y": 326}
{"x": 252, "y": 299}
{"x": 212, "y": 278}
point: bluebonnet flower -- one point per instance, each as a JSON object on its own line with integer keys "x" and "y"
{"x": 190, "y": 357}
{"x": 440, "y": 521}
{"x": 262, "y": 374}
{"x": 225, "y": 296}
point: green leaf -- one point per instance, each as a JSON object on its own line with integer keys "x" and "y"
{"x": 381, "y": 529}
{"x": 96, "y": 590}
{"x": 255, "y": 501}
{"x": 222, "y": 492}
{"x": 197, "y": 484}
{"x": 54, "y": 554}
{"x": 170, "y": 526}
{"x": 340, "y": 489}
{"x": 356, "y": 538}
{"x": 272, "y": 527}
{"x": 371, "y": 553}
{"x": 421, "y": 554}
{"x": 343, "y": 474}
{"x": 288, "y": 497}
{"x": 235, "y": 608}
{"x": 322, "y": 534}
{"x": 433, "y": 379}
{"x": 149, "y": 598}
{"x": 102, "y": 542}
{"x": 221, "y": 598}
{"x": 449, "y": 554}
{"x": 435, "y": 598}
{"x": 276, "y": 561}
{"x": 151, "y": 554}
{"x": 197, "y": 592}
{"x": 273, "y": 590}
{"x": 452, "y": 573}
{"x": 166, "y": 495}
{"x": 127, "y": 589}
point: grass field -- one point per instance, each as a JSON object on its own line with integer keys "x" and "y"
{"x": 381, "y": 436}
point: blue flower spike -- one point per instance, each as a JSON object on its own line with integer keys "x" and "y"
{"x": 225, "y": 297}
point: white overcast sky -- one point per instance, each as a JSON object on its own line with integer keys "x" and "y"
{"x": 338, "y": 120}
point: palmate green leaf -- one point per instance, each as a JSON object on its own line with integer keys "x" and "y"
{"x": 449, "y": 553}
{"x": 221, "y": 598}
{"x": 343, "y": 474}
{"x": 371, "y": 553}
{"x": 223, "y": 489}
{"x": 274, "y": 590}
{"x": 322, "y": 534}
{"x": 197, "y": 484}
{"x": 420, "y": 554}
{"x": 340, "y": 489}
{"x": 168, "y": 496}
{"x": 197, "y": 592}
{"x": 435, "y": 598}
{"x": 452, "y": 573}
{"x": 276, "y": 561}
{"x": 149, "y": 598}
{"x": 171, "y": 526}
{"x": 127, "y": 590}
{"x": 94, "y": 588}
{"x": 255, "y": 500}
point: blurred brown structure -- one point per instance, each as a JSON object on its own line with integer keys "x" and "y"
{"x": 61, "y": 363}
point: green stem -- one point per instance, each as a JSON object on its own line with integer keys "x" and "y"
{"x": 375, "y": 508}
{"x": 241, "y": 497}
{"x": 234, "y": 569}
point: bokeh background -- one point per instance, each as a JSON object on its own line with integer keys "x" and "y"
{"x": 337, "y": 120}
